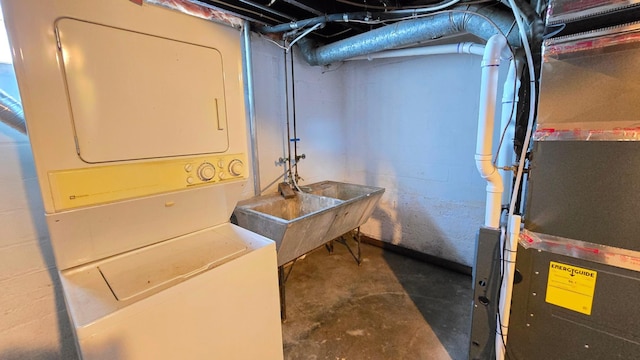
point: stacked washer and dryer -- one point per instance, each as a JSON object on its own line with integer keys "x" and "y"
{"x": 136, "y": 119}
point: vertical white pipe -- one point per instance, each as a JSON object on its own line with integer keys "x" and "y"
{"x": 507, "y": 124}
{"x": 510, "y": 247}
{"x": 486, "y": 116}
{"x": 509, "y": 99}
{"x": 512, "y": 241}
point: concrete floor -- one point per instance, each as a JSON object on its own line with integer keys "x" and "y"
{"x": 390, "y": 307}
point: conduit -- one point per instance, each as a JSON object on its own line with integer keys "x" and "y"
{"x": 508, "y": 123}
{"x": 11, "y": 112}
{"x": 250, "y": 105}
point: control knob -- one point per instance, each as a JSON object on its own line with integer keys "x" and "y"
{"x": 236, "y": 167}
{"x": 206, "y": 171}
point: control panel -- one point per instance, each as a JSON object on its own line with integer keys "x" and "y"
{"x": 102, "y": 184}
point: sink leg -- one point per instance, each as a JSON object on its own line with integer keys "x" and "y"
{"x": 329, "y": 246}
{"x": 356, "y": 236}
{"x": 283, "y": 302}
{"x": 359, "y": 259}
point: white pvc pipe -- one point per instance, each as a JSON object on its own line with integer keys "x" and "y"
{"x": 508, "y": 124}
{"x": 460, "y": 48}
{"x": 506, "y": 289}
{"x": 486, "y": 116}
{"x": 488, "y": 94}
{"x": 511, "y": 243}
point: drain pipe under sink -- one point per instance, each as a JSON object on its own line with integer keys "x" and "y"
{"x": 486, "y": 115}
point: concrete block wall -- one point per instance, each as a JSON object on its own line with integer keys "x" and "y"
{"x": 408, "y": 125}
{"x": 412, "y": 127}
{"x": 319, "y": 117}
{"x": 33, "y": 319}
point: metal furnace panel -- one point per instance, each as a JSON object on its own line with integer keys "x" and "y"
{"x": 586, "y": 190}
{"x": 591, "y": 81}
{"x": 486, "y": 288}
{"x": 540, "y": 330}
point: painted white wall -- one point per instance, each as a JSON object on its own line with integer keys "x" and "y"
{"x": 411, "y": 128}
{"x": 408, "y": 125}
{"x": 319, "y": 117}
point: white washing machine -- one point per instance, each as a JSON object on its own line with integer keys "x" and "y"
{"x": 136, "y": 119}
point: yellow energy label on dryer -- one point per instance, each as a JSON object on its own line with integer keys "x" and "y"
{"x": 571, "y": 287}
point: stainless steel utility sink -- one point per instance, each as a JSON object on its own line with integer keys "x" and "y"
{"x": 321, "y": 213}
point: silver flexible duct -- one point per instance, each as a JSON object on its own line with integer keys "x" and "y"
{"x": 11, "y": 112}
{"x": 470, "y": 19}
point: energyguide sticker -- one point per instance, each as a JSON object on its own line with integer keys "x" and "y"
{"x": 571, "y": 287}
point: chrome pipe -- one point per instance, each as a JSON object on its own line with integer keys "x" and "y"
{"x": 249, "y": 100}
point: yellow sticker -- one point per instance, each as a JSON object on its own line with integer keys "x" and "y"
{"x": 571, "y": 287}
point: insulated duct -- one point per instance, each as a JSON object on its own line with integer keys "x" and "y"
{"x": 482, "y": 22}
{"x": 11, "y": 112}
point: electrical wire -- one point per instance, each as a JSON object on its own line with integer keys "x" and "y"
{"x": 513, "y": 24}
{"x": 389, "y": 21}
{"x": 532, "y": 105}
{"x": 274, "y": 42}
{"x": 334, "y": 34}
{"x": 387, "y": 8}
{"x": 287, "y": 48}
{"x": 314, "y": 27}
{"x": 513, "y": 108}
{"x": 525, "y": 43}
{"x": 439, "y": 7}
{"x": 411, "y": 14}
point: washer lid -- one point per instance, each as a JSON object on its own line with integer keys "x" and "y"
{"x": 141, "y": 271}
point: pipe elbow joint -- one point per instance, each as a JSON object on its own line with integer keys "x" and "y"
{"x": 494, "y": 183}
{"x": 493, "y": 50}
{"x": 307, "y": 49}
{"x": 490, "y": 173}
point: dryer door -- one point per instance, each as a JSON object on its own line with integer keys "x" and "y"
{"x": 139, "y": 96}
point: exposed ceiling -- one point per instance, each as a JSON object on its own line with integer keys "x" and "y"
{"x": 273, "y": 12}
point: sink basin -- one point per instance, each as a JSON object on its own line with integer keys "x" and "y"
{"x": 300, "y": 224}
{"x": 342, "y": 191}
{"x": 361, "y": 201}
{"x": 288, "y": 209}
